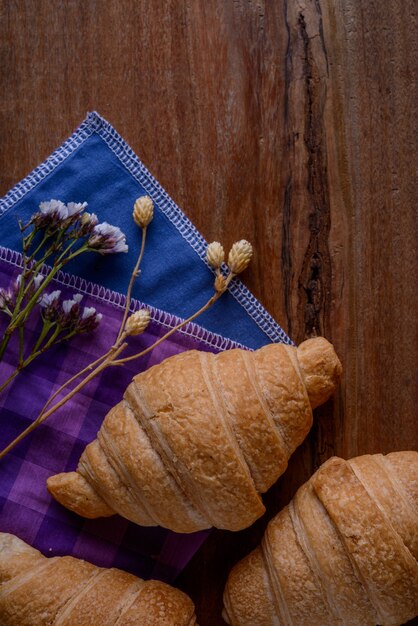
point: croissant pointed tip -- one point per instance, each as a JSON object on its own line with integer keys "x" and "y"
{"x": 73, "y": 491}
{"x": 321, "y": 367}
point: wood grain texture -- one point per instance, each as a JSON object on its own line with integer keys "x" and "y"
{"x": 290, "y": 123}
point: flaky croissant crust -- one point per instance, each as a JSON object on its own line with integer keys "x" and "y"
{"x": 343, "y": 553}
{"x": 64, "y": 591}
{"x": 198, "y": 437}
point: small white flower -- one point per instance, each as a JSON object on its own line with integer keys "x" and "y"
{"x": 6, "y": 298}
{"x": 54, "y": 207}
{"x": 89, "y": 219}
{"x": 74, "y": 208}
{"x": 107, "y": 239}
{"x": 120, "y": 246}
{"x": 67, "y": 305}
{"x": 88, "y": 311}
{"x": 52, "y": 212}
{"x": 107, "y": 230}
{"x": 89, "y": 320}
{"x": 37, "y": 281}
{"x": 47, "y": 299}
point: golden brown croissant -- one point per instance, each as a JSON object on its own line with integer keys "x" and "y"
{"x": 64, "y": 591}
{"x": 198, "y": 437}
{"x": 344, "y": 552}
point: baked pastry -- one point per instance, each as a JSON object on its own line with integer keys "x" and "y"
{"x": 343, "y": 553}
{"x": 64, "y": 591}
{"x": 198, "y": 437}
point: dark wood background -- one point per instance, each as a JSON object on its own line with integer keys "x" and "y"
{"x": 291, "y": 123}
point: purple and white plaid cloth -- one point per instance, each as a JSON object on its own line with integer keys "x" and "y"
{"x": 26, "y": 508}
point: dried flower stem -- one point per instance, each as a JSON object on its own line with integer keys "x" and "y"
{"x": 95, "y": 368}
{"x": 21, "y": 345}
{"x": 208, "y": 304}
{"x": 32, "y": 268}
{"x": 43, "y": 416}
{"x": 121, "y": 336}
{"x": 204, "y": 308}
{"x": 88, "y": 368}
{"x": 19, "y": 317}
{"x": 59, "y": 264}
{"x": 134, "y": 276}
{"x": 107, "y": 360}
{"x": 19, "y": 325}
{"x": 37, "y": 351}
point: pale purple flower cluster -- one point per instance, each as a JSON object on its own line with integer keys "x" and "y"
{"x": 70, "y": 311}
{"x": 6, "y": 299}
{"x": 87, "y": 223}
{"x": 89, "y": 319}
{"x": 8, "y": 296}
{"x": 68, "y": 314}
{"x": 50, "y": 305}
{"x": 37, "y": 280}
{"x": 107, "y": 239}
{"x": 55, "y": 235}
{"x": 49, "y": 298}
{"x": 53, "y": 214}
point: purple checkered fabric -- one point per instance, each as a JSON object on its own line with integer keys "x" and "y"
{"x": 26, "y": 508}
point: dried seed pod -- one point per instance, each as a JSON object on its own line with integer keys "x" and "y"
{"x": 220, "y": 283}
{"x": 215, "y": 254}
{"x": 240, "y": 256}
{"x": 137, "y": 322}
{"x": 143, "y": 211}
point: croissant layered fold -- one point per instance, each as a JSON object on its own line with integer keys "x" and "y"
{"x": 64, "y": 591}
{"x": 197, "y": 438}
{"x": 344, "y": 552}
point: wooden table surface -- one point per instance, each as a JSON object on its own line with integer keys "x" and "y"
{"x": 291, "y": 123}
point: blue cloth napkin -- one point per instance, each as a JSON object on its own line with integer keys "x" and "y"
{"x": 96, "y": 165}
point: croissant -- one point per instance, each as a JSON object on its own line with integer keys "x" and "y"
{"x": 198, "y": 437}
{"x": 64, "y": 591}
{"x": 344, "y": 552}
